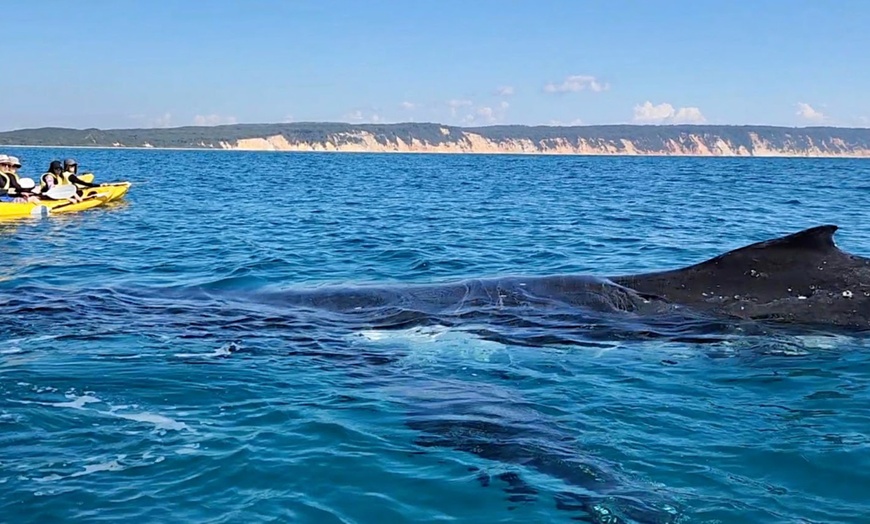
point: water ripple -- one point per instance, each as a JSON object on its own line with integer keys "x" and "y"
{"x": 152, "y": 368}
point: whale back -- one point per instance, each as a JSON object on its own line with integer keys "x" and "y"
{"x": 801, "y": 277}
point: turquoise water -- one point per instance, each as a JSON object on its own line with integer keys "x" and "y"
{"x": 149, "y": 369}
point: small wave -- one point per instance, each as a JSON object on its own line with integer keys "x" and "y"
{"x": 111, "y": 465}
{"x": 223, "y": 351}
{"x": 425, "y": 343}
{"x": 81, "y": 402}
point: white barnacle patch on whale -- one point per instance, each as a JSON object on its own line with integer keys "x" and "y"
{"x": 847, "y": 294}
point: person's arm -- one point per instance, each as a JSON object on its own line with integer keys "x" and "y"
{"x": 14, "y": 188}
{"x": 79, "y": 182}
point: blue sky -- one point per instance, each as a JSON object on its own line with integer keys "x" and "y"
{"x": 108, "y": 63}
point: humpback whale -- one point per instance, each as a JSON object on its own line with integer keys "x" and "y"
{"x": 500, "y": 426}
{"x": 802, "y": 278}
{"x": 799, "y": 279}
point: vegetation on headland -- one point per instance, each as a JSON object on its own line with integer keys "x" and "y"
{"x": 708, "y": 140}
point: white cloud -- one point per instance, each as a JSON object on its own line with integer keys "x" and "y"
{"x": 359, "y": 117}
{"x": 505, "y": 91}
{"x": 665, "y": 113}
{"x": 575, "y": 122}
{"x": 576, "y": 83}
{"x": 456, "y": 104}
{"x": 807, "y": 112}
{"x": 354, "y": 116}
{"x": 487, "y": 114}
{"x": 689, "y": 115}
{"x": 213, "y": 120}
{"x": 650, "y": 113}
{"x": 146, "y": 121}
{"x": 408, "y": 105}
{"x": 163, "y": 121}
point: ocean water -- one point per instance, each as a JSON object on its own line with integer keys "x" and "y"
{"x": 153, "y": 366}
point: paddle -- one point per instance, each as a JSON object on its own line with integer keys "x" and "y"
{"x": 40, "y": 211}
{"x": 44, "y": 211}
{"x": 61, "y": 192}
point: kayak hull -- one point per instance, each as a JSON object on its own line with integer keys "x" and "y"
{"x": 116, "y": 189}
{"x": 112, "y": 191}
{"x": 48, "y": 207}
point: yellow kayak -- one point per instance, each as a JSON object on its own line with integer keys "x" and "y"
{"x": 48, "y": 207}
{"x": 111, "y": 192}
{"x": 115, "y": 190}
{"x": 91, "y": 197}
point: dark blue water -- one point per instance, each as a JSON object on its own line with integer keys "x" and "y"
{"x": 149, "y": 370}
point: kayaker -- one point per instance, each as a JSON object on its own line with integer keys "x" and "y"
{"x": 4, "y": 183}
{"x": 62, "y": 174}
{"x": 55, "y": 176}
{"x": 14, "y": 165}
{"x": 52, "y": 177}
{"x": 70, "y": 172}
{"x": 10, "y": 189}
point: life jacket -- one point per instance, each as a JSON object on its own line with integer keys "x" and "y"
{"x": 6, "y": 178}
{"x": 66, "y": 179}
{"x": 59, "y": 180}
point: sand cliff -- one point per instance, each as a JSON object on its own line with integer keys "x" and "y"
{"x": 469, "y": 142}
{"x": 652, "y": 140}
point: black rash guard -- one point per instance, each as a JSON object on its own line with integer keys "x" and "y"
{"x": 79, "y": 182}
{"x": 14, "y": 188}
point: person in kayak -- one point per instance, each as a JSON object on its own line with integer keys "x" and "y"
{"x": 5, "y": 184}
{"x": 70, "y": 172}
{"x": 14, "y": 165}
{"x": 52, "y": 177}
{"x": 57, "y": 175}
{"x": 10, "y": 189}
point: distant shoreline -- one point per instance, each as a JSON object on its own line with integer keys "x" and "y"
{"x": 691, "y": 141}
{"x": 446, "y": 153}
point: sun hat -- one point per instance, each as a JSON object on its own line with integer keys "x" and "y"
{"x": 13, "y": 161}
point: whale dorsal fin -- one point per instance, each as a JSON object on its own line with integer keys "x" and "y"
{"x": 819, "y": 238}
